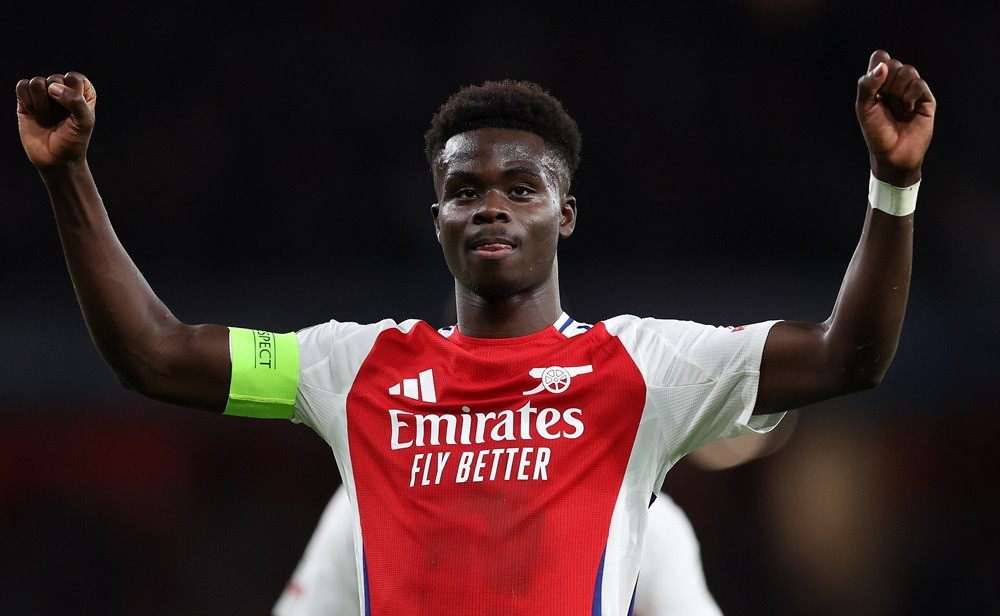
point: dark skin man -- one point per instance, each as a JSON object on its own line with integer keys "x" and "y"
{"x": 505, "y": 292}
{"x": 503, "y": 207}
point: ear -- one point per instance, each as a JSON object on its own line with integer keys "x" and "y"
{"x": 567, "y": 222}
{"x": 437, "y": 224}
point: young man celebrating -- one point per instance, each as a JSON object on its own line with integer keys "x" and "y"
{"x": 504, "y": 465}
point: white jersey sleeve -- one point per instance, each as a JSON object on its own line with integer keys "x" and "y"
{"x": 701, "y": 380}
{"x": 330, "y": 355}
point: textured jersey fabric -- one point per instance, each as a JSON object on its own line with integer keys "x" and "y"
{"x": 513, "y": 476}
{"x": 671, "y": 583}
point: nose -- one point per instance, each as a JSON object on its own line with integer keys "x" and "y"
{"x": 493, "y": 207}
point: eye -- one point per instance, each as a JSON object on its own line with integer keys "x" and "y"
{"x": 522, "y": 190}
{"x": 464, "y": 194}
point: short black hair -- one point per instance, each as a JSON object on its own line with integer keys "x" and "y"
{"x": 509, "y": 103}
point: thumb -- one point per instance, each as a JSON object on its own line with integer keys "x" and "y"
{"x": 869, "y": 83}
{"x": 71, "y": 100}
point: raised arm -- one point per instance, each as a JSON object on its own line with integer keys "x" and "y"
{"x": 805, "y": 362}
{"x": 149, "y": 350}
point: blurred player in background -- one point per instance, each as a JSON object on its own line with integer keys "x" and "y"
{"x": 504, "y": 465}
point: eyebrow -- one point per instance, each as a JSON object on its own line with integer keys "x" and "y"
{"x": 525, "y": 170}
{"x": 468, "y": 176}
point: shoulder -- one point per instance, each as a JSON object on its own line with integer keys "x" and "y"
{"x": 316, "y": 342}
{"x": 333, "y": 330}
{"x": 679, "y": 332}
{"x": 630, "y": 326}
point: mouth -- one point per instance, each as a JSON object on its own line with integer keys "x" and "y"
{"x": 491, "y": 247}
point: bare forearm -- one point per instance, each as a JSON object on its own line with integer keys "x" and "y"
{"x": 807, "y": 362}
{"x": 864, "y": 328}
{"x": 132, "y": 328}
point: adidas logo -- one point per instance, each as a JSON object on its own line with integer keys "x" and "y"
{"x": 420, "y": 388}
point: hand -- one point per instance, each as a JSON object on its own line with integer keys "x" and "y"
{"x": 55, "y": 118}
{"x": 895, "y": 108}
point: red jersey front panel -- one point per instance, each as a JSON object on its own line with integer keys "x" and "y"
{"x": 486, "y": 471}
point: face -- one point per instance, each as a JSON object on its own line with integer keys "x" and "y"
{"x": 502, "y": 208}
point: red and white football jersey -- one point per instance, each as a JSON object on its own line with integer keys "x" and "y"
{"x": 513, "y": 476}
{"x": 671, "y": 583}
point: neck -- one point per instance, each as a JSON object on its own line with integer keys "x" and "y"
{"x": 520, "y": 314}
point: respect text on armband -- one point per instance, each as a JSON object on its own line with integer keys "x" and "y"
{"x": 487, "y": 445}
{"x": 264, "y": 349}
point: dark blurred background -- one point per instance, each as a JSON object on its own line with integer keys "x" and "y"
{"x": 264, "y": 166}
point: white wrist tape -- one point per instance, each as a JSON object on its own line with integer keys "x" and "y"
{"x": 892, "y": 199}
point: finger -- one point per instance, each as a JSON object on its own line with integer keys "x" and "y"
{"x": 24, "y": 104}
{"x": 892, "y": 90}
{"x": 879, "y": 55}
{"x": 73, "y": 101}
{"x": 894, "y": 66}
{"x": 51, "y": 80}
{"x": 79, "y": 82}
{"x": 918, "y": 98}
{"x": 38, "y": 91}
{"x": 907, "y": 77}
{"x": 869, "y": 84}
{"x": 901, "y": 80}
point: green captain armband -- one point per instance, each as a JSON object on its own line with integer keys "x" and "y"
{"x": 265, "y": 373}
